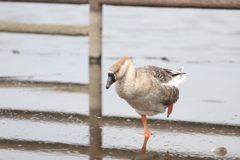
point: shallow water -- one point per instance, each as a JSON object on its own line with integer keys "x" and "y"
{"x": 44, "y": 106}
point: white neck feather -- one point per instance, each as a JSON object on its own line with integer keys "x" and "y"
{"x": 126, "y": 83}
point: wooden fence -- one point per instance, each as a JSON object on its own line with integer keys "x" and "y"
{"x": 94, "y": 29}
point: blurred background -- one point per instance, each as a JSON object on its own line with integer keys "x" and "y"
{"x": 44, "y": 104}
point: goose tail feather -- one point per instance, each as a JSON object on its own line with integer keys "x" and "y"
{"x": 178, "y": 77}
{"x": 182, "y": 77}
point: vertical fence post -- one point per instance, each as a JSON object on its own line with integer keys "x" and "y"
{"x": 95, "y": 30}
{"x": 95, "y": 79}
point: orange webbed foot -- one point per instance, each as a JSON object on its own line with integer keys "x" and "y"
{"x": 147, "y": 134}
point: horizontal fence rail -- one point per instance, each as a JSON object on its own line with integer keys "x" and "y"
{"x": 51, "y": 1}
{"x": 70, "y": 30}
{"x": 55, "y": 86}
{"x": 210, "y": 4}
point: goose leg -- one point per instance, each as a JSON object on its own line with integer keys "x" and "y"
{"x": 147, "y": 133}
{"x": 170, "y": 108}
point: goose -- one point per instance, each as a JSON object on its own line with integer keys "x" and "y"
{"x": 148, "y": 89}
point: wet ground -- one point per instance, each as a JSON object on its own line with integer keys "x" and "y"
{"x": 44, "y": 106}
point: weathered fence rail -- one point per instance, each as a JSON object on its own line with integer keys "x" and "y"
{"x": 211, "y": 4}
{"x": 51, "y": 1}
{"x": 70, "y": 30}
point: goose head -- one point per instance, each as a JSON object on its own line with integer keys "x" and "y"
{"x": 118, "y": 70}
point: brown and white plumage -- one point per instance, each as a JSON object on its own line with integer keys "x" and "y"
{"x": 149, "y": 89}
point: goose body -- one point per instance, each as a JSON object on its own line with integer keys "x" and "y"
{"x": 149, "y": 89}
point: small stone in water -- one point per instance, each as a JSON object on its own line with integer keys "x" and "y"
{"x": 220, "y": 151}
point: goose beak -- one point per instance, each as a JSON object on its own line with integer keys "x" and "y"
{"x": 111, "y": 80}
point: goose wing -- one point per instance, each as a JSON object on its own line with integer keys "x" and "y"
{"x": 161, "y": 74}
{"x": 168, "y": 91}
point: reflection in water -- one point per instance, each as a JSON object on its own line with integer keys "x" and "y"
{"x": 144, "y": 155}
{"x": 95, "y": 104}
{"x": 144, "y": 147}
{"x": 95, "y": 121}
